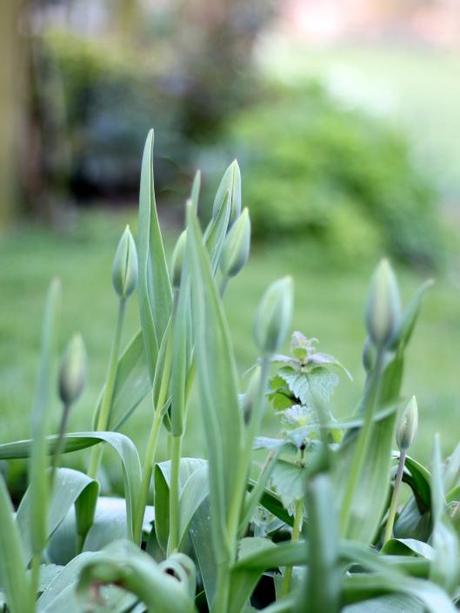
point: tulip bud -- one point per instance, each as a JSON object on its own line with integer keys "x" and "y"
{"x": 407, "y": 427}
{"x": 72, "y": 373}
{"x": 383, "y": 305}
{"x": 124, "y": 269}
{"x": 250, "y": 397}
{"x": 235, "y": 252}
{"x": 231, "y": 183}
{"x": 368, "y": 356}
{"x": 177, "y": 259}
{"x": 274, "y": 315}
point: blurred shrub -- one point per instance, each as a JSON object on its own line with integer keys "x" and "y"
{"x": 112, "y": 98}
{"x": 316, "y": 169}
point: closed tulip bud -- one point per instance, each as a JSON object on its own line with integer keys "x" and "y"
{"x": 407, "y": 427}
{"x": 383, "y": 306}
{"x": 368, "y": 356}
{"x": 231, "y": 183}
{"x": 235, "y": 252}
{"x": 274, "y": 315}
{"x": 72, "y": 373}
{"x": 177, "y": 259}
{"x": 250, "y": 397}
{"x": 124, "y": 269}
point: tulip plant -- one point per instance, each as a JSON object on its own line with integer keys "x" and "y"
{"x": 325, "y": 516}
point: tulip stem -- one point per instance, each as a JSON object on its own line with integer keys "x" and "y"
{"x": 395, "y": 497}
{"x": 60, "y": 440}
{"x": 106, "y": 404}
{"x": 296, "y": 530}
{"x": 362, "y": 441}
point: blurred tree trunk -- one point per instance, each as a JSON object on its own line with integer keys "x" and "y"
{"x": 128, "y": 19}
{"x": 13, "y": 103}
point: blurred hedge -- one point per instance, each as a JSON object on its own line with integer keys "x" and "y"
{"x": 314, "y": 168}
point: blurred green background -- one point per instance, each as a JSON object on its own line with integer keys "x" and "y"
{"x": 345, "y": 123}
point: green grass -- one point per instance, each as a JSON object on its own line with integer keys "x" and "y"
{"x": 329, "y": 305}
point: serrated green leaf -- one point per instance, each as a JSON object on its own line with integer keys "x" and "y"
{"x": 309, "y": 387}
{"x": 289, "y": 481}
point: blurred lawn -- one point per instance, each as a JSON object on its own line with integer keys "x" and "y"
{"x": 417, "y": 88}
{"x": 329, "y": 305}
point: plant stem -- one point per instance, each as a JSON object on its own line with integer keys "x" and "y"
{"x": 296, "y": 530}
{"x": 149, "y": 459}
{"x": 60, "y": 442}
{"x": 362, "y": 442}
{"x": 176, "y": 449}
{"x": 220, "y": 604}
{"x": 35, "y": 575}
{"x": 395, "y": 497}
{"x": 106, "y": 404}
{"x": 152, "y": 444}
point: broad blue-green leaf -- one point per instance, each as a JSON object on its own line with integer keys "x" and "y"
{"x": 133, "y": 570}
{"x": 200, "y": 528}
{"x": 323, "y": 585}
{"x": 13, "y": 580}
{"x": 109, "y": 525}
{"x": 272, "y": 502}
{"x": 371, "y": 495}
{"x": 244, "y": 579}
{"x": 180, "y": 357}
{"x": 419, "y": 479}
{"x": 253, "y": 497}
{"x": 215, "y": 233}
{"x": 193, "y": 482}
{"x": 69, "y": 486}
{"x": 445, "y": 569}
{"x": 132, "y": 383}
{"x": 75, "y": 441}
{"x": 218, "y": 391}
{"x": 61, "y": 589}
{"x": 411, "y": 523}
{"x": 154, "y": 287}
{"x": 451, "y": 473}
{"x": 41, "y": 413}
{"x": 230, "y": 184}
{"x": 393, "y": 603}
{"x": 361, "y": 587}
{"x": 408, "y": 547}
{"x": 411, "y": 313}
{"x": 195, "y": 193}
